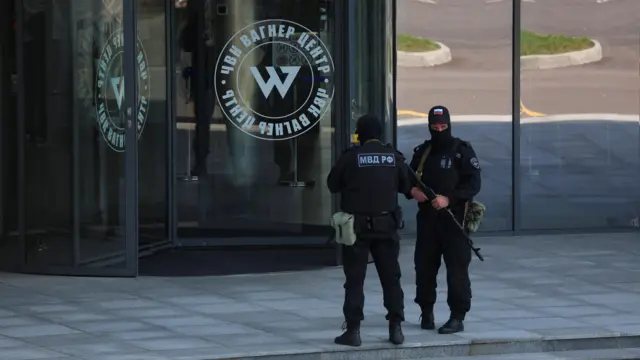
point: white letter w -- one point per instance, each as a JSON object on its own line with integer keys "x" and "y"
{"x": 274, "y": 79}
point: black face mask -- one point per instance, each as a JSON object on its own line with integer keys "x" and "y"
{"x": 441, "y": 138}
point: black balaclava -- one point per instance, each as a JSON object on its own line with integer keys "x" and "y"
{"x": 440, "y": 114}
{"x": 368, "y": 128}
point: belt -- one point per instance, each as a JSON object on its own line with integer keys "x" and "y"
{"x": 374, "y": 215}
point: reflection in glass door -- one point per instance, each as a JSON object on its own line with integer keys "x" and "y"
{"x": 254, "y": 131}
{"x": 72, "y": 137}
{"x": 9, "y": 246}
{"x": 153, "y": 150}
{"x": 370, "y": 59}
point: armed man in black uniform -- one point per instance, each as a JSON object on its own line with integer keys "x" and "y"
{"x": 450, "y": 167}
{"x": 369, "y": 178}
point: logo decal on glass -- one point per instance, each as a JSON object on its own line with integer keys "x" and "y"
{"x": 280, "y": 96}
{"x": 109, "y": 92}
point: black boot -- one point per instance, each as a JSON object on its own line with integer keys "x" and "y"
{"x": 396, "y": 336}
{"x": 351, "y": 337}
{"x": 451, "y": 327}
{"x": 427, "y": 320}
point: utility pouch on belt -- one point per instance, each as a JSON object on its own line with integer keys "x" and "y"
{"x": 382, "y": 224}
{"x": 343, "y": 224}
{"x": 473, "y": 215}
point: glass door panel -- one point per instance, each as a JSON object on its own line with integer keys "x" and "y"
{"x": 155, "y": 114}
{"x": 369, "y": 79}
{"x": 254, "y": 134}
{"x": 10, "y": 252}
{"x": 73, "y": 137}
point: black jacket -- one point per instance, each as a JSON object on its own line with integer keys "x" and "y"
{"x": 454, "y": 172}
{"x": 369, "y": 178}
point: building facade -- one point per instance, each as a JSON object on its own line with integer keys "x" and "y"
{"x": 129, "y": 127}
{"x": 132, "y": 126}
{"x": 547, "y": 92}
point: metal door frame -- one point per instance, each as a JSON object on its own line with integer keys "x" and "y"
{"x": 130, "y": 30}
{"x": 20, "y": 135}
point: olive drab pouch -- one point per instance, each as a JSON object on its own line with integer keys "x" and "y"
{"x": 473, "y": 215}
{"x": 343, "y": 224}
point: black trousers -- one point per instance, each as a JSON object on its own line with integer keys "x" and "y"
{"x": 385, "y": 253}
{"x": 438, "y": 237}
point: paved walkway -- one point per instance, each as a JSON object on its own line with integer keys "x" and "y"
{"x": 528, "y": 289}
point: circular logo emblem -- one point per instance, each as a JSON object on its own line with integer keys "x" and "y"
{"x": 274, "y": 79}
{"x": 109, "y": 92}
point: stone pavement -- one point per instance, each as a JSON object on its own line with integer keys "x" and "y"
{"x": 531, "y": 295}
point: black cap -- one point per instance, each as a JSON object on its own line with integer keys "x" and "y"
{"x": 368, "y": 127}
{"x": 439, "y": 114}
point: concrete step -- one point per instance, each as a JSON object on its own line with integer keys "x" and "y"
{"x": 601, "y": 354}
{"x": 596, "y": 347}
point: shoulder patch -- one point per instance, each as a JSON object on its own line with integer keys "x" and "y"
{"x": 475, "y": 163}
{"x": 376, "y": 159}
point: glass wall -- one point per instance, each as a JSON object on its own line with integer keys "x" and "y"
{"x": 9, "y": 245}
{"x": 64, "y": 165}
{"x": 580, "y": 142}
{"x": 254, "y": 131}
{"x": 369, "y": 63}
{"x": 73, "y": 133}
{"x": 155, "y": 127}
{"x": 244, "y": 105}
{"x": 475, "y": 85}
{"x": 576, "y": 108}
{"x": 240, "y": 115}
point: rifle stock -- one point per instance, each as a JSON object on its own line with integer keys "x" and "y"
{"x": 432, "y": 195}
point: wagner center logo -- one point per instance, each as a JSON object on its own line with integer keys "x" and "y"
{"x": 109, "y": 93}
{"x": 274, "y": 79}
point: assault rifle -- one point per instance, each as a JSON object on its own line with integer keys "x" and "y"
{"x": 432, "y": 195}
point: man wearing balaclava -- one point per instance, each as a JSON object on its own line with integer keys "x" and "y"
{"x": 369, "y": 178}
{"x": 450, "y": 167}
